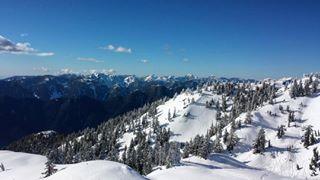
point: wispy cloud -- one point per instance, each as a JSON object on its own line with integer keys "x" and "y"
{"x": 109, "y": 71}
{"x": 24, "y": 34}
{"x": 118, "y": 49}
{"x": 65, "y": 71}
{"x": 167, "y": 49}
{"x": 88, "y": 59}
{"x": 41, "y": 69}
{"x": 104, "y": 71}
{"x": 144, "y": 61}
{"x": 7, "y": 46}
{"x": 185, "y": 60}
{"x": 44, "y": 54}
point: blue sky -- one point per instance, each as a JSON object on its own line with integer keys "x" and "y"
{"x": 255, "y": 39}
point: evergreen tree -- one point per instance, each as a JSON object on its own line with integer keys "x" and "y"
{"x": 186, "y": 150}
{"x": 294, "y": 89}
{"x": 259, "y": 144}
{"x": 217, "y": 146}
{"x": 280, "y": 131}
{"x": 314, "y": 86}
{"x": 308, "y": 138}
{"x": 290, "y": 117}
{"x": 248, "y": 119}
{"x": 49, "y": 169}
{"x": 124, "y": 155}
{"x": 224, "y": 104}
{"x": 174, "y": 155}
{"x": 169, "y": 115}
{"x": 147, "y": 162}
{"x": 232, "y": 140}
{"x": 2, "y": 168}
{"x": 225, "y": 136}
{"x": 314, "y": 164}
{"x": 205, "y": 148}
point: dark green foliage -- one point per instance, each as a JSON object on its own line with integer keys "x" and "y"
{"x": 260, "y": 142}
{"x": 280, "y": 131}
{"x": 49, "y": 169}
{"x": 314, "y": 164}
{"x": 308, "y": 138}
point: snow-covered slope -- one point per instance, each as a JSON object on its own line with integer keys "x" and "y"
{"x": 21, "y": 166}
{"x": 217, "y": 166}
{"x": 96, "y": 170}
{"x": 286, "y": 157}
{"x": 24, "y": 166}
{"x": 188, "y": 116}
{"x": 288, "y": 152}
{"x": 191, "y": 115}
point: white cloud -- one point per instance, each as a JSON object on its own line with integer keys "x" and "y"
{"x": 123, "y": 49}
{"x": 144, "y": 61}
{"x": 7, "y": 46}
{"x": 89, "y": 59}
{"x": 44, "y": 54}
{"x": 110, "y": 47}
{"x": 119, "y": 49}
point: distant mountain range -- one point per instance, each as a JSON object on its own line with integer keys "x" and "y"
{"x": 69, "y": 102}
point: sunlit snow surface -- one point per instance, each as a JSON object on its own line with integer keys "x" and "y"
{"x": 23, "y": 166}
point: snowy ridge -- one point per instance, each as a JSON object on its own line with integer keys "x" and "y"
{"x": 24, "y": 166}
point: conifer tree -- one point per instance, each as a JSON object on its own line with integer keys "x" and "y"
{"x": 206, "y": 147}
{"x": 49, "y": 169}
{"x": 174, "y": 155}
{"x": 259, "y": 144}
{"x": 225, "y": 136}
{"x": 2, "y": 168}
{"x": 314, "y": 164}
{"x": 280, "y": 131}
{"x": 217, "y": 146}
{"x": 186, "y": 150}
{"x": 308, "y": 138}
{"x": 232, "y": 140}
{"x": 248, "y": 119}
